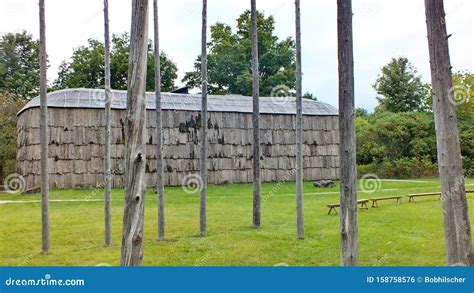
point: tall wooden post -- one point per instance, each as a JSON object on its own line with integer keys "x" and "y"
{"x": 45, "y": 238}
{"x": 457, "y": 227}
{"x": 203, "y": 161}
{"x": 159, "y": 139}
{"x": 299, "y": 128}
{"x": 108, "y": 105}
{"x": 135, "y": 136}
{"x": 347, "y": 148}
{"x": 255, "y": 118}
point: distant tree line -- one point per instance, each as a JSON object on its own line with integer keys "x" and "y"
{"x": 398, "y": 139}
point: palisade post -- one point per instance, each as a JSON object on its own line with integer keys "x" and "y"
{"x": 457, "y": 227}
{"x": 347, "y": 147}
{"x": 159, "y": 139}
{"x": 45, "y": 229}
{"x": 255, "y": 118}
{"x": 135, "y": 142}
{"x": 203, "y": 161}
{"x": 299, "y": 128}
{"x": 108, "y": 105}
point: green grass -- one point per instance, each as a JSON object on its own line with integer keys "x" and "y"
{"x": 407, "y": 234}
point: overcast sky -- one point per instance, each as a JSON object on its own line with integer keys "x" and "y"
{"x": 382, "y": 29}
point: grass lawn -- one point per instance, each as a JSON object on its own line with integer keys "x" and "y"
{"x": 407, "y": 234}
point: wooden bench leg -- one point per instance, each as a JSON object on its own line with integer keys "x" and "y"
{"x": 364, "y": 206}
{"x": 411, "y": 199}
{"x": 399, "y": 200}
{"x": 332, "y": 208}
{"x": 375, "y": 204}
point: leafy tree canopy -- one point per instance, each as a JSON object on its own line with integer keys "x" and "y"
{"x": 463, "y": 93}
{"x": 86, "y": 68}
{"x": 400, "y": 89}
{"x": 19, "y": 65}
{"x": 229, "y": 59}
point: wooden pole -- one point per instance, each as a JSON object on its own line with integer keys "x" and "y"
{"x": 45, "y": 235}
{"x": 135, "y": 138}
{"x": 347, "y": 148}
{"x": 457, "y": 227}
{"x": 108, "y": 105}
{"x": 203, "y": 161}
{"x": 159, "y": 139}
{"x": 255, "y": 118}
{"x": 299, "y": 128}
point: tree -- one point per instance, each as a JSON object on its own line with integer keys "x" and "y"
{"x": 299, "y": 128}
{"x": 135, "y": 136}
{"x": 462, "y": 93}
{"x": 45, "y": 236}
{"x": 159, "y": 139}
{"x": 230, "y": 58}
{"x": 400, "y": 89}
{"x": 361, "y": 112}
{"x": 9, "y": 106}
{"x": 108, "y": 110}
{"x": 255, "y": 115}
{"x": 86, "y": 67}
{"x": 203, "y": 161}
{"x": 457, "y": 225}
{"x": 19, "y": 65}
{"x": 347, "y": 148}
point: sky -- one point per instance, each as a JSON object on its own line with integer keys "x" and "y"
{"x": 382, "y": 29}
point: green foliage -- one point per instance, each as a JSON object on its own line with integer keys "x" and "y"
{"x": 463, "y": 93}
{"x": 19, "y": 65}
{"x": 9, "y": 106}
{"x": 86, "y": 68}
{"x": 395, "y": 135}
{"x": 229, "y": 59}
{"x": 401, "y": 168}
{"x": 400, "y": 89}
{"x": 399, "y": 144}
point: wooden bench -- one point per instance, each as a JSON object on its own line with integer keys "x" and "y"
{"x": 411, "y": 196}
{"x": 376, "y": 199}
{"x": 333, "y": 206}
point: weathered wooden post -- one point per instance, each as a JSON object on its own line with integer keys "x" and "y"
{"x": 457, "y": 227}
{"x": 347, "y": 148}
{"x": 45, "y": 238}
{"x": 255, "y": 118}
{"x": 135, "y": 143}
{"x": 108, "y": 105}
{"x": 203, "y": 162}
{"x": 159, "y": 139}
{"x": 299, "y": 128}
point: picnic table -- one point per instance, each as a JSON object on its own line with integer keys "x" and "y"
{"x": 375, "y": 200}
{"x": 333, "y": 206}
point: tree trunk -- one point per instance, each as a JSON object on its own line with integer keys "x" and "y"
{"x": 256, "y": 118}
{"x": 108, "y": 173}
{"x": 135, "y": 129}
{"x": 44, "y": 134}
{"x": 159, "y": 148}
{"x": 203, "y": 162}
{"x": 299, "y": 128}
{"x": 347, "y": 149}
{"x": 455, "y": 209}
